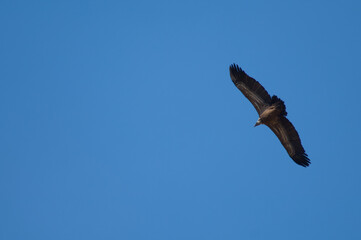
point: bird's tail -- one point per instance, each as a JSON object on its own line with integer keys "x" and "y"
{"x": 280, "y": 104}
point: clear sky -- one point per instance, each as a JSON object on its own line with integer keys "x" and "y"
{"x": 119, "y": 120}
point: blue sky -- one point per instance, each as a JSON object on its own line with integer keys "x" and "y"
{"x": 119, "y": 120}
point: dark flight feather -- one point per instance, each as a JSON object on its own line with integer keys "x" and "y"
{"x": 290, "y": 140}
{"x": 252, "y": 89}
{"x": 272, "y": 112}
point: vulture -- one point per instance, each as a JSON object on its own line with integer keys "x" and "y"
{"x": 272, "y": 113}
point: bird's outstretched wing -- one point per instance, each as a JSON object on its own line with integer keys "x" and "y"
{"x": 252, "y": 89}
{"x": 290, "y": 140}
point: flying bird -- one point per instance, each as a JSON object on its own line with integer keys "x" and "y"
{"x": 272, "y": 113}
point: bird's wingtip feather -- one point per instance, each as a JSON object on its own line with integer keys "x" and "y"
{"x": 302, "y": 160}
{"x": 234, "y": 68}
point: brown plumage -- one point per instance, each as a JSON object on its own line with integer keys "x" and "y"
{"x": 272, "y": 113}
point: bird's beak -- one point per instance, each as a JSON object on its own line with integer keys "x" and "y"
{"x": 258, "y": 123}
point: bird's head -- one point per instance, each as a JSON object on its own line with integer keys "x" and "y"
{"x": 259, "y": 122}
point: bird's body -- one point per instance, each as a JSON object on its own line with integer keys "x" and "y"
{"x": 272, "y": 113}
